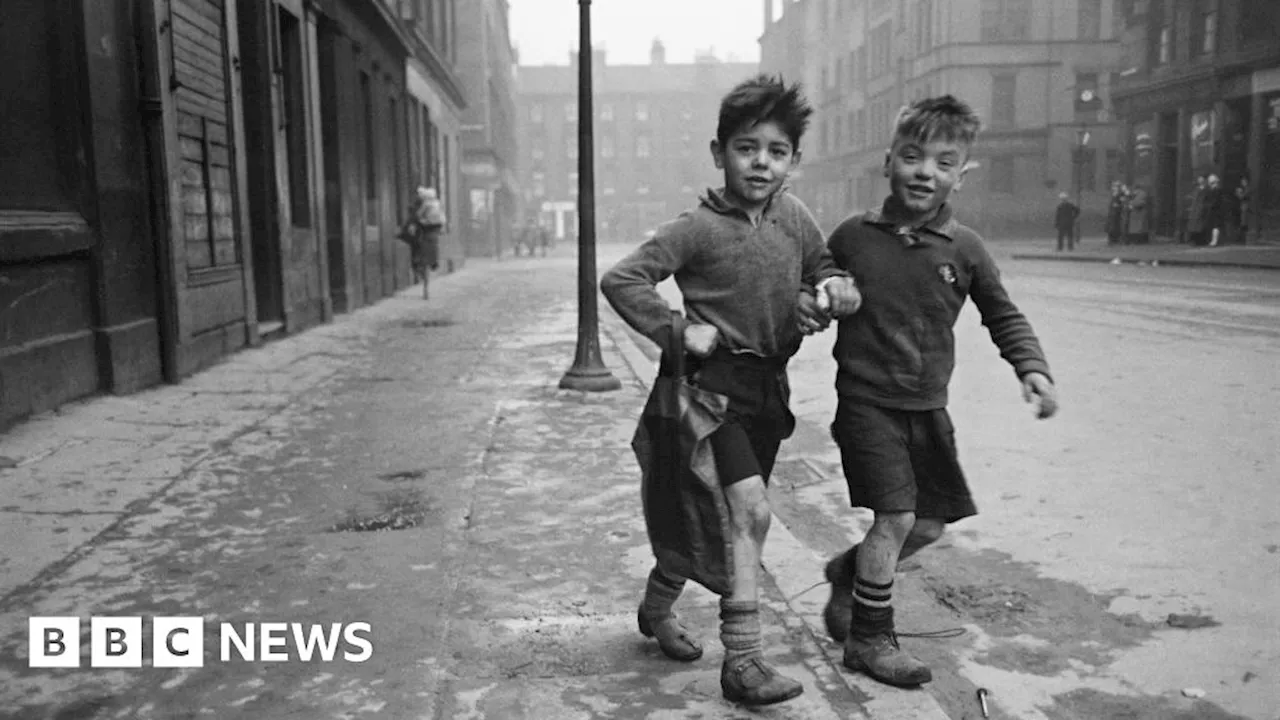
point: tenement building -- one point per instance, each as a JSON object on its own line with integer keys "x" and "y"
{"x": 653, "y": 127}
{"x": 1200, "y": 95}
{"x": 1040, "y": 73}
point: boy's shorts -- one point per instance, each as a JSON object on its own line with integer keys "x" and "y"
{"x": 901, "y": 461}
{"x": 758, "y": 419}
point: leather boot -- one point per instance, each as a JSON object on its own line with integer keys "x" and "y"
{"x": 673, "y": 639}
{"x": 880, "y": 657}
{"x": 838, "y": 613}
{"x": 752, "y": 681}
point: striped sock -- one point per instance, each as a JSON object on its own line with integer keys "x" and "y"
{"x": 660, "y": 593}
{"x": 872, "y": 607}
{"x": 740, "y": 630}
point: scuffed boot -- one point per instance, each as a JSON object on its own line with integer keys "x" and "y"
{"x": 838, "y": 613}
{"x": 673, "y": 639}
{"x": 752, "y": 681}
{"x": 880, "y": 657}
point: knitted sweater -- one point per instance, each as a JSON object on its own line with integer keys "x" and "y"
{"x": 740, "y": 277}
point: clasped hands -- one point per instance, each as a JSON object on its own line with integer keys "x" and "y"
{"x": 835, "y": 297}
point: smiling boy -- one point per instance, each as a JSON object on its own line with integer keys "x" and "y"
{"x": 740, "y": 259}
{"x": 915, "y": 266}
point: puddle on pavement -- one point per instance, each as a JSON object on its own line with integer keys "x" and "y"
{"x": 428, "y": 323}
{"x": 399, "y": 510}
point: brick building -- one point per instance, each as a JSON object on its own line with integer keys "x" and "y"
{"x": 1200, "y": 95}
{"x": 652, "y": 129}
{"x": 184, "y": 178}
{"x": 1039, "y": 72}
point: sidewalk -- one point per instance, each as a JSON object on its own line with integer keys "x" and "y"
{"x": 1095, "y": 249}
{"x": 412, "y": 466}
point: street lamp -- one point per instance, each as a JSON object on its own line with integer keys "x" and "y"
{"x": 588, "y": 371}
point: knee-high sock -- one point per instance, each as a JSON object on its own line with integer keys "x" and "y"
{"x": 872, "y": 608}
{"x": 660, "y": 593}
{"x": 740, "y": 629}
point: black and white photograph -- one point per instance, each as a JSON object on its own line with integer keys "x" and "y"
{"x": 640, "y": 359}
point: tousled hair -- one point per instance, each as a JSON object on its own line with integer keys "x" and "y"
{"x": 764, "y": 98}
{"x": 937, "y": 118}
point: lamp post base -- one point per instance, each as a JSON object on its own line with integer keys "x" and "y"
{"x": 588, "y": 379}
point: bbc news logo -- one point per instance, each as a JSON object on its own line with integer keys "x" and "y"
{"x": 178, "y": 642}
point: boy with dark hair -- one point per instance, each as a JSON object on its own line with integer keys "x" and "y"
{"x": 915, "y": 265}
{"x": 740, "y": 258}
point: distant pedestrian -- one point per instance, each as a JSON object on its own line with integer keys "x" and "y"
{"x": 422, "y": 233}
{"x": 1138, "y": 216}
{"x": 740, "y": 258}
{"x": 918, "y": 265}
{"x": 1115, "y": 214}
{"x": 1243, "y": 198}
{"x": 1215, "y": 211}
{"x": 1195, "y": 212}
{"x": 1064, "y": 221}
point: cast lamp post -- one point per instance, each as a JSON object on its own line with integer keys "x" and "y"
{"x": 588, "y": 371}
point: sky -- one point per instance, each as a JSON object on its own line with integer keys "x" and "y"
{"x": 545, "y": 31}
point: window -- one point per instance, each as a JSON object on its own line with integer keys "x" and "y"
{"x": 606, "y": 112}
{"x": 606, "y": 146}
{"x": 642, "y": 112}
{"x": 539, "y": 185}
{"x": 535, "y": 113}
{"x": 571, "y": 147}
{"x": 571, "y": 111}
{"x": 1161, "y": 39}
{"x": 1205, "y": 32}
{"x": 1001, "y": 177}
{"x": 1090, "y": 20}
{"x": 1003, "y": 100}
{"x": 573, "y": 183}
{"x": 642, "y": 146}
{"x": 1005, "y": 20}
{"x": 538, "y": 153}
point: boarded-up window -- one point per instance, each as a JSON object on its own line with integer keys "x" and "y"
{"x": 199, "y": 65}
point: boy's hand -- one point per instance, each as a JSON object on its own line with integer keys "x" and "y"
{"x": 842, "y": 296}
{"x": 1039, "y": 389}
{"x": 812, "y": 318}
{"x": 700, "y": 339}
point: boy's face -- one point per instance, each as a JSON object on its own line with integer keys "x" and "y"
{"x": 755, "y": 160}
{"x": 922, "y": 175}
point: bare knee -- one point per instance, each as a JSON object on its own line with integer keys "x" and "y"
{"x": 926, "y": 531}
{"x": 894, "y": 525}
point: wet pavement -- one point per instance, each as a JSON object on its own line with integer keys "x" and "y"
{"x": 413, "y": 466}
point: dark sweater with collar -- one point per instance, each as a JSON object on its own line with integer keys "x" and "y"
{"x": 740, "y": 277}
{"x": 898, "y": 350}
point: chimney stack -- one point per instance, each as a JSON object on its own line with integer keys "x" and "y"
{"x": 657, "y": 53}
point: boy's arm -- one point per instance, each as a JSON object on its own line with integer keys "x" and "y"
{"x": 1009, "y": 328}
{"x": 816, "y": 263}
{"x": 630, "y": 286}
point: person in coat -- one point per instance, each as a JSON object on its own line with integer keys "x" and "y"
{"x": 1115, "y": 214}
{"x": 1195, "y": 212}
{"x": 1138, "y": 226}
{"x": 1064, "y": 221}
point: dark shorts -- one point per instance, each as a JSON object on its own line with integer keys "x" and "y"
{"x": 901, "y": 461}
{"x": 758, "y": 419}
